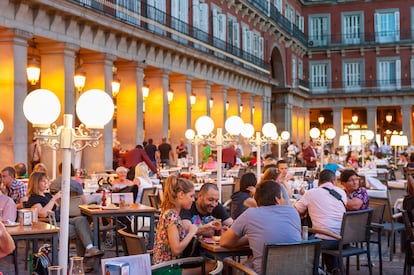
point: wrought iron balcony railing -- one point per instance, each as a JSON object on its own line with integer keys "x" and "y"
{"x": 157, "y": 21}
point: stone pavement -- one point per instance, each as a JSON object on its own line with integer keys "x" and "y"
{"x": 389, "y": 268}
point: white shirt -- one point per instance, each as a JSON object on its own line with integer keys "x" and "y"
{"x": 324, "y": 209}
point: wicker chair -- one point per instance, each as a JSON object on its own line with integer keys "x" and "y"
{"x": 355, "y": 229}
{"x": 390, "y": 225}
{"x": 132, "y": 243}
{"x": 409, "y": 241}
{"x": 283, "y": 258}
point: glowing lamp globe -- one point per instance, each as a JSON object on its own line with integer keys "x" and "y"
{"x": 247, "y": 130}
{"x": 330, "y": 133}
{"x": 314, "y": 133}
{"x": 1, "y": 126}
{"x": 233, "y": 125}
{"x": 269, "y": 129}
{"x": 189, "y": 134}
{"x": 41, "y": 107}
{"x": 95, "y": 108}
{"x": 369, "y": 135}
{"x": 204, "y": 125}
{"x": 274, "y": 136}
{"x": 285, "y": 135}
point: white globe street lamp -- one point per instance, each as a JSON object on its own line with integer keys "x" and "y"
{"x": 316, "y": 135}
{"x": 42, "y": 107}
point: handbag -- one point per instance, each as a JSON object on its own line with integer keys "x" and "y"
{"x": 41, "y": 261}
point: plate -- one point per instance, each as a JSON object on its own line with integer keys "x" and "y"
{"x": 94, "y": 206}
{"x": 110, "y": 207}
{"x": 210, "y": 241}
{"x": 11, "y": 224}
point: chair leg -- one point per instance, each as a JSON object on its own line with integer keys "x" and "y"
{"x": 347, "y": 265}
{"x": 380, "y": 251}
{"x": 390, "y": 244}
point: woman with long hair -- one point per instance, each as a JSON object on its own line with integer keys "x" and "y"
{"x": 243, "y": 199}
{"x": 172, "y": 237}
{"x": 142, "y": 179}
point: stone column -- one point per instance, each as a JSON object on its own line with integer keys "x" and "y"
{"x": 219, "y": 113}
{"x": 13, "y": 60}
{"x": 407, "y": 125}
{"x": 372, "y": 119}
{"x": 337, "y": 124}
{"x": 98, "y": 69}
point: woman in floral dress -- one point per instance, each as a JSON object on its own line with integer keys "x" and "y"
{"x": 172, "y": 238}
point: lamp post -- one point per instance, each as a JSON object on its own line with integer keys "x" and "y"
{"x": 281, "y": 139}
{"x": 316, "y": 135}
{"x": 269, "y": 131}
{"x": 344, "y": 142}
{"x": 398, "y": 140}
{"x": 204, "y": 126}
{"x": 42, "y": 107}
{"x": 365, "y": 138}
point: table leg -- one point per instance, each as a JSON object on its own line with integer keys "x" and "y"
{"x": 15, "y": 259}
{"x": 55, "y": 252}
{"x": 96, "y": 241}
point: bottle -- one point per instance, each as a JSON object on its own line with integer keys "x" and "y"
{"x": 76, "y": 266}
{"x": 103, "y": 198}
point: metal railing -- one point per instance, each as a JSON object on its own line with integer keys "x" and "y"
{"x": 161, "y": 23}
{"x": 366, "y": 86}
{"x": 359, "y": 39}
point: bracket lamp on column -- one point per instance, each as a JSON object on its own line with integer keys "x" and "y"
{"x": 241, "y": 108}
{"x": 227, "y": 105}
{"x": 321, "y": 119}
{"x": 116, "y": 83}
{"x": 145, "y": 91}
{"x": 354, "y": 118}
{"x": 253, "y": 109}
{"x": 80, "y": 76}
{"x": 193, "y": 99}
{"x": 211, "y": 102}
{"x": 1, "y": 126}
{"x": 33, "y": 65}
{"x": 388, "y": 117}
{"x": 170, "y": 95}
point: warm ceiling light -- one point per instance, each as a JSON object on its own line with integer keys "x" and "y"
{"x": 145, "y": 91}
{"x": 211, "y": 102}
{"x": 80, "y": 76}
{"x": 388, "y": 118}
{"x": 354, "y": 118}
{"x": 227, "y": 105}
{"x": 116, "y": 85}
{"x": 321, "y": 119}
{"x": 193, "y": 99}
{"x": 170, "y": 95}
{"x": 33, "y": 66}
{"x": 241, "y": 108}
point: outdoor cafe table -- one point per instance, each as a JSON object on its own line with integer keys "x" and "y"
{"x": 140, "y": 210}
{"x": 39, "y": 230}
{"x": 219, "y": 253}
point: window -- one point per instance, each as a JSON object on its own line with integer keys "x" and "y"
{"x": 389, "y": 73}
{"x": 219, "y": 28}
{"x": 352, "y": 74}
{"x": 300, "y": 69}
{"x": 128, "y": 11}
{"x": 318, "y": 30}
{"x": 279, "y": 5}
{"x": 289, "y": 13}
{"x": 156, "y": 12}
{"x": 179, "y": 18}
{"x": 352, "y": 28}
{"x": 319, "y": 76}
{"x": 412, "y": 71}
{"x": 387, "y": 26}
{"x": 234, "y": 35}
{"x": 300, "y": 22}
{"x": 294, "y": 75}
{"x": 200, "y": 22}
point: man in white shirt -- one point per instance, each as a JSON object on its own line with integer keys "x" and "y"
{"x": 325, "y": 206}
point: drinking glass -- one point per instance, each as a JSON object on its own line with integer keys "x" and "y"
{"x": 55, "y": 270}
{"x": 76, "y": 266}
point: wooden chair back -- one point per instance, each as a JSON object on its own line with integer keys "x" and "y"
{"x": 144, "y": 197}
{"x": 132, "y": 243}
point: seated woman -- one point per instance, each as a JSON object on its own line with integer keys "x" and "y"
{"x": 408, "y": 202}
{"x": 172, "y": 237}
{"x": 210, "y": 165}
{"x": 142, "y": 179}
{"x": 123, "y": 185}
{"x": 357, "y": 196}
{"x": 44, "y": 202}
{"x": 243, "y": 199}
{"x": 273, "y": 174}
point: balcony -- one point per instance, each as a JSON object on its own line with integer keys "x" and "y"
{"x": 179, "y": 31}
{"x": 361, "y": 39}
{"x": 367, "y": 86}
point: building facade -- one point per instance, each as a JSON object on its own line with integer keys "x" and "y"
{"x": 281, "y": 61}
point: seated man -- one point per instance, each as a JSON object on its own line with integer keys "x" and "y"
{"x": 205, "y": 210}
{"x": 8, "y": 209}
{"x": 75, "y": 187}
{"x": 255, "y": 223}
{"x": 12, "y": 187}
{"x": 326, "y": 206}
